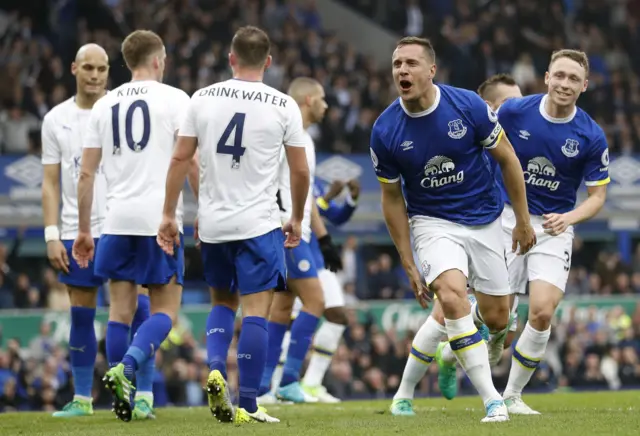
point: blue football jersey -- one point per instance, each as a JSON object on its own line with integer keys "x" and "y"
{"x": 555, "y": 154}
{"x": 439, "y": 154}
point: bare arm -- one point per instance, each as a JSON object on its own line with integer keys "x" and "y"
{"x": 299, "y": 176}
{"x": 90, "y": 161}
{"x": 394, "y": 210}
{"x": 51, "y": 194}
{"x": 590, "y": 207}
{"x": 317, "y": 224}
{"x": 193, "y": 176}
{"x": 178, "y": 169}
{"x": 513, "y": 177}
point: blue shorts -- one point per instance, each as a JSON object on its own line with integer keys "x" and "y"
{"x": 317, "y": 253}
{"x": 79, "y": 277}
{"x": 250, "y": 266}
{"x": 300, "y": 262}
{"x": 138, "y": 259}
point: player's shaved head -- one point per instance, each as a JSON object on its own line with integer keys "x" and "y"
{"x": 93, "y": 51}
{"x": 303, "y": 87}
{"x": 91, "y": 69}
{"x": 309, "y": 94}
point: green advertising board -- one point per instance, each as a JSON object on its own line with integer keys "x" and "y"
{"x": 394, "y": 315}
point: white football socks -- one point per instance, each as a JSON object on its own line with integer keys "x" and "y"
{"x": 423, "y": 350}
{"x": 472, "y": 353}
{"x": 325, "y": 344}
{"x": 528, "y": 353}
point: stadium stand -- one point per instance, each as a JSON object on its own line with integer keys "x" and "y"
{"x": 597, "y": 341}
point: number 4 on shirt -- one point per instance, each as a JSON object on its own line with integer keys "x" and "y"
{"x": 236, "y": 149}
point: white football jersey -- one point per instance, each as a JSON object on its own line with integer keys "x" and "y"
{"x": 241, "y": 127}
{"x": 284, "y": 189}
{"x": 135, "y": 125}
{"x": 64, "y": 130}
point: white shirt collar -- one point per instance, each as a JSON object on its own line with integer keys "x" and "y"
{"x": 551, "y": 119}
{"x": 427, "y": 111}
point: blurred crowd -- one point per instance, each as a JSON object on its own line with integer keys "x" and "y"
{"x": 599, "y": 349}
{"x": 474, "y": 39}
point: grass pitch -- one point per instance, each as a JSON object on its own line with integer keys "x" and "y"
{"x": 582, "y": 414}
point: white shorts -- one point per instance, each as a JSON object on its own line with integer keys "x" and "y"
{"x": 331, "y": 288}
{"x": 477, "y": 251}
{"x": 549, "y": 260}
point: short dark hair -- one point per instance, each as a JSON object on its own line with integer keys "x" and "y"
{"x": 138, "y": 46}
{"x": 251, "y": 45}
{"x": 422, "y": 42}
{"x": 497, "y": 79}
{"x": 575, "y": 55}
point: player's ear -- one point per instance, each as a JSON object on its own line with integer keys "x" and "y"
{"x": 432, "y": 71}
{"x": 74, "y": 68}
{"x": 586, "y": 85}
{"x": 267, "y": 64}
{"x": 546, "y": 78}
{"x": 232, "y": 59}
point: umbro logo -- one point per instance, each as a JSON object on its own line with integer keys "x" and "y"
{"x": 524, "y": 134}
{"x": 406, "y": 145}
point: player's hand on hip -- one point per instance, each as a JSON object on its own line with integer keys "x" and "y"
{"x": 83, "y": 249}
{"x": 168, "y": 236}
{"x": 293, "y": 231}
{"x": 330, "y": 253}
{"x": 524, "y": 236}
{"x": 555, "y": 223}
{"x": 57, "y": 255}
{"x": 420, "y": 290}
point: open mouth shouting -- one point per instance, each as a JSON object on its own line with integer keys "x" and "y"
{"x": 405, "y": 85}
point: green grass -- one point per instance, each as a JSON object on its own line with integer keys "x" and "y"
{"x": 607, "y": 413}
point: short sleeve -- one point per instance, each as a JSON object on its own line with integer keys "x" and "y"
{"x": 383, "y": 162}
{"x": 596, "y": 168}
{"x": 92, "y": 137}
{"x": 180, "y": 107}
{"x": 486, "y": 126}
{"x": 51, "y": 151}
{"x": 188, "y": 123}
{"x": 294, "y": 135}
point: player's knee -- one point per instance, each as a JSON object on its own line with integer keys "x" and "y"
{"x": 257, "y": 304}
{"x": 540, "y": 316}
{"x": 336, "y": 315}
{"x": 225, "y": 298}
{"x": 451, "y": 295}
{"x": 496, "y": 317}
{"x": 121, "y": 313}
{"x": 314, "y": 305}
{"x": 83, "y": 297}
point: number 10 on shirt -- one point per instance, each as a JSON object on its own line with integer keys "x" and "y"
{"x": 236, "y": 150}
{"x": 136, "y": 146}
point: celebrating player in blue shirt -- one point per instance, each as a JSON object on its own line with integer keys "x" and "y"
{"x": 558, "y": 146}
{"x": 495, "y": 91}
{"x": 434, "y": 137}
